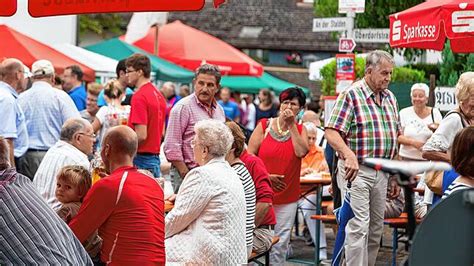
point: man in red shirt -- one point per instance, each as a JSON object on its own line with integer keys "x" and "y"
{"x": 264, "y": 214}
{"x": 147, "y": 113}
{"x": 126, "y": 207}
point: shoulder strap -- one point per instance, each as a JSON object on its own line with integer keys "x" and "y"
{"x": 463, "y": 121}
{"x": 432, "y": 115}
{"x": 268, "y": 124}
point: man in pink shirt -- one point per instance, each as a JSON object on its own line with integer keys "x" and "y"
{"x": 185, "y": 114}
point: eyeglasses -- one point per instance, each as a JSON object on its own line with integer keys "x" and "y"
{"x": 129, "y": 71}
{"x": 89, "y": 135}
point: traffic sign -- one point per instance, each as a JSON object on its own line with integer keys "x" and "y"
{"x": 372, "y": 35}
{"x": 346, "y": 6}
{"x": 330, "y": 24}
{"x": 346, "y": 45}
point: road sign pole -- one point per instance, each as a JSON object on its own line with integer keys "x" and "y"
{"x": 350, "y": 24}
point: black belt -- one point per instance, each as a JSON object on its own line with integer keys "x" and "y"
{"x": 148, "y": 154}
{"x": 267, "y": 226}
{"x": 36, "y": 150}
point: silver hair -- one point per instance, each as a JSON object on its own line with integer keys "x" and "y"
{"x": 373, "y": 59}
{"x": 209, "y": 70}
{"x": 71, "y": 127}
{"x": 310, "y": 127}
{"x": 215, "y": 135}
{"x": 465, "y": 86}
{"x": 169, "y": 84}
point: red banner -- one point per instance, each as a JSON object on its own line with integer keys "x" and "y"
{"x": 7, "y": 7}
{"x": 41, "y": 8}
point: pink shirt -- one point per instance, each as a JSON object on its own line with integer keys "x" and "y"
{"x": 184, "y": 115}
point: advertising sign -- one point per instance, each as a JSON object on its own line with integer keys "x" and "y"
{"x": 345, "y": 71}
{"x": 7, "y": 7}
{"x": 357, "y": 6}
{"x": 65, "y": 7}
{"x": 445, "y": 99}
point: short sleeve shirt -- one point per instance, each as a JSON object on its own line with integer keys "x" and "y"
{"x": 369, "y": 129}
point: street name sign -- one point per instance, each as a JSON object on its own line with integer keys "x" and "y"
{"x": 372, "y": 35}
{"x": 346, "y": 45}
{"x": 346, "y": 6}
{"x": 330, "y": 24}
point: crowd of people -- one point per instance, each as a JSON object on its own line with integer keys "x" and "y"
{"x": 235, "y": 163}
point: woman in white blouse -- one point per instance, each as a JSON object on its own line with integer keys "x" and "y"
{"x": 417, "y": 122}
{"x": 207, "y": 223}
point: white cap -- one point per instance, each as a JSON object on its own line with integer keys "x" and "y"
{"x": 421, "y": 86}
{"x": 27, "y": 72}
{"x": 42, "y": 67}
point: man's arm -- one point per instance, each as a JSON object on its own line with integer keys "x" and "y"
{"x": 350, "y": 160}
{"x": 11, "y": 150}
{"x": 436, "y": 156}
{"x": 141, "y": 131}
{"x": 96, "y": 208}
{"x": 173, "y": 147}
{"x": 181, "y": 167}
{"x": 261, "y": 210}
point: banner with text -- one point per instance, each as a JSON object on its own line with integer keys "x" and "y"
{"x": 345, "y": 71}
{"x": 445, "y": 98}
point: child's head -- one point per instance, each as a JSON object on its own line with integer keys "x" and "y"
{"x": 73, "y": 182}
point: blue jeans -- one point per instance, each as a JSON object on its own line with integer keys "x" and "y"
{"x": 148, "y": 162}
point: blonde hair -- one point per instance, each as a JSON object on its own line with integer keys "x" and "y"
{"x": 94, "y": 88}
{"x": 113, "y": 90}
{"x": 465, "y": 86}
{"x": 78, "y": 176}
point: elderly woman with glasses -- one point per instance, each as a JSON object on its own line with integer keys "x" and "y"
{"x": 207, "y": 223}
{"x": 281, "y": 143}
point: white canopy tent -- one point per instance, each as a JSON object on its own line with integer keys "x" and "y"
{"x": 103, "y": 66}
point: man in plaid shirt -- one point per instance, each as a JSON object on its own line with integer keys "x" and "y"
{"x": 365, "y": 123}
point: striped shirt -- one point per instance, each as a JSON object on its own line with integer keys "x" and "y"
{"x": 250, "y": 198}
{"x": 184, "y": 115}
{"x": 30, "y": 231}
{"x": 369, "y": 129}
{"x": 46, "y": 109}
{"x": 57, "y": 157}
{"x": 455, "y": 186}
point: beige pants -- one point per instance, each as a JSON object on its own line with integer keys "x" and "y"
{"x": 363, "y": 232}
{"x": 262, "y": 239}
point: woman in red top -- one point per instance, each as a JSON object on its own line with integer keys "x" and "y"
{"x": 281, "y": 143}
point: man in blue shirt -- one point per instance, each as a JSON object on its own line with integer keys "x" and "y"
{"x": 123, "y": 80}
{"x": 13, "y": 127}
{"x": 231, "y": 109}
{"x": 72, "y": 84}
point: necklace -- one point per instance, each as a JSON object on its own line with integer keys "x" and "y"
{"x": 280, "y": 131}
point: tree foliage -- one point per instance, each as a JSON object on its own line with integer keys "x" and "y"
{"x": 453, "y": 66}
{"x": 101, "y": 23}
{"x": 375, "y": 16}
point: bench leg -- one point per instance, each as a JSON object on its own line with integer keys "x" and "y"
{"x": 267, "y": 259}
{"x": 394, "y": 246}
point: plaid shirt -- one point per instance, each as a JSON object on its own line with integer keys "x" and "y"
{"x": 369, "y": 129}
{"x": 184, "y": 115}
{"x": 31, "y": 233}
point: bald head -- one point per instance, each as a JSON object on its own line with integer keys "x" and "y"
{"x": 311, "y": 116}
{"x": 122, "y": 140}
{"x": 8, "y": 69}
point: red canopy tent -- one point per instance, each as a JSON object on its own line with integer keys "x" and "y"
{"x": 428, "y": 24}
{"x": 17, "y": 45}
{"x": 189, "y": 47}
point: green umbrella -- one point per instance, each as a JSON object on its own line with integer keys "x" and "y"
{"x": 166, "y": 71}
{"x": 252, "y": 84}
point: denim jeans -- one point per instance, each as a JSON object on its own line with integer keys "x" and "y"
{"x": 148, "y": 162}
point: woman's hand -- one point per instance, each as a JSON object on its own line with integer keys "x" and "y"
{"x": 306, "y": 171}
{"x": 170, "y": 198}
{"x": 417, "y": 144}
{"x": 277, "y": 182}
{"x": 288, "y": 117}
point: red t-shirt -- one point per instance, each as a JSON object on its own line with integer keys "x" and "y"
{"x": 263, "y": 185}
{"x": 148, "y": 108}
{"x": 128, "y": 210}
{"x": 279, "y": 158}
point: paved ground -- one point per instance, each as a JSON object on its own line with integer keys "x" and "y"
{"x": 304, "y": 254}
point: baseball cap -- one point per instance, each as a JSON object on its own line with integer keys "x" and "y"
{"x": 42, "y": 67}
{"x": 27, "y": 72}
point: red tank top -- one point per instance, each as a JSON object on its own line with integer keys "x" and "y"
{"x": 279, "y": 158}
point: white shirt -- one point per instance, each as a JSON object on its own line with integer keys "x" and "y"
{"x": 58, "y": 156}
{"x": 250, "y": 111}
{"x": 416, "y": 128}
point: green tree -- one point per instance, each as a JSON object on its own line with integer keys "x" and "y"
{"x": 453, "y": 66}
{"x": 375, "y": 16}
{"x": 102, "y": 23}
